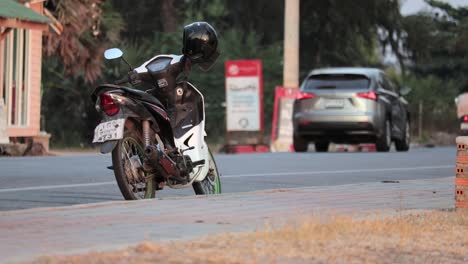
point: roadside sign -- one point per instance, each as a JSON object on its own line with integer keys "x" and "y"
{"x": 244, "y": 95}
{"x": 282, "y": 127}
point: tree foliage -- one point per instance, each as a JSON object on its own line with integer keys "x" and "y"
{"x": 346, "y": 33}
{"x": 437, "y": 42}
{"x": 88, "y": 28}
{"x": 436, "y": 47}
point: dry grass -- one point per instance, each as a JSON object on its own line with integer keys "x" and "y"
{"x": 438, "y": 237}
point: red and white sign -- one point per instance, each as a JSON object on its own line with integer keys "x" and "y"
{"x": 282, "y": 127}
{"x": 244, "y": 95}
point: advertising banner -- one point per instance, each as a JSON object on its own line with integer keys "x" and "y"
{"x": 244, "y": 91}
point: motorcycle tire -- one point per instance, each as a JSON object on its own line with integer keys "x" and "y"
{"x": 127, "y": 156}
{"x": 211, "y": 184}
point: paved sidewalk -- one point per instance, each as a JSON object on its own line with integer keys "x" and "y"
{"x": 63, "y": 230}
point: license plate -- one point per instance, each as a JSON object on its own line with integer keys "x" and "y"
{"x": 110, "y": 130}
{"x": 464, "y": 126}
{"x": 334, "y": 103}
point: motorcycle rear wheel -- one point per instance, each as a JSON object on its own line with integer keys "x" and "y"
{"x": 127, "y": 160}
{"x": 211, "y": 184}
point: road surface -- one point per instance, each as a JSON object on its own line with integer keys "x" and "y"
{"x": 29, "y": 182}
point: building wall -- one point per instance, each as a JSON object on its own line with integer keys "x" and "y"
{"x": 35, "y": 66}
{"x": 34, "y": 97}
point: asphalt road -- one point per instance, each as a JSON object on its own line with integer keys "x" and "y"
{"x": 29, "y": 182}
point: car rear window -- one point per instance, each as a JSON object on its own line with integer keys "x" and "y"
{"x": 337, "y": 81}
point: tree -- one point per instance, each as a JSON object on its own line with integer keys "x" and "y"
{"x": 436, "y": 46}
{"x": 346, "y": 33}
{"x": 437, "y": 43}
{"x": 89, "y": 26}
{"x": 73, "y": 62}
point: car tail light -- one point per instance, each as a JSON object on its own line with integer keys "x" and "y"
{"x": 465, "y": 119}
{"x": 108, "y": 105}
{"x": 301, "y": 96}
{"x": 368, "y": 95}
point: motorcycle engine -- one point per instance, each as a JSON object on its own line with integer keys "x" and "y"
{"x": 184, "y": 163}
{"x": 173, "y": 165}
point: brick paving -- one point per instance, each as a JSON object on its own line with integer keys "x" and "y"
{"x": 30, "y": 233}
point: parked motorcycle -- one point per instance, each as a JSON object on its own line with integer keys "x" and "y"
{"x": 157, "y": 135}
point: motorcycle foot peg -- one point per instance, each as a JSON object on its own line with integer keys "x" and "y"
{"x": 187, "y": 149}
{"x": 198, "y": 162}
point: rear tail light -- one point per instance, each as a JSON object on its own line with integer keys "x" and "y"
{"x": 368, "y": 95}
{"x": 108, "y": 105}
{"x": 465, "y": 119}
{"x": 301, "y": 96}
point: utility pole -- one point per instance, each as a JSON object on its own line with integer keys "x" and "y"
{"x": 290, "y": 75}
{"x": 291, "y": 44}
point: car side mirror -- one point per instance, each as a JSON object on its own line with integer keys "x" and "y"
{"x": 112, "y": 54}
{"x": 405, "y": 90}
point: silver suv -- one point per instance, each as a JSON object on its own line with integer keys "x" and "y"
{"x": 351, "y": 106}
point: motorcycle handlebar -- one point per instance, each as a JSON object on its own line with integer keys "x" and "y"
{"x": 132, "y": 77}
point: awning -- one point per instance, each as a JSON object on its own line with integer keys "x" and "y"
{"x": 16, "y": 15}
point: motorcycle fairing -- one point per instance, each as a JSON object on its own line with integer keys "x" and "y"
{"x": 189, "y": 128}
{"x": 188, "y": 109}
{"x": 137, "y": 94}
{"x": 174, "y": 59}
{"x": 128, "y": 108}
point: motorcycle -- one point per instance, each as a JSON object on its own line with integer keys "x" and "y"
{"x": 157, "y": 135}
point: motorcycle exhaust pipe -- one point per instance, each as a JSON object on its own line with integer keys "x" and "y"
{"x": 156, "y": 159}
{"x": 152, "y": 156}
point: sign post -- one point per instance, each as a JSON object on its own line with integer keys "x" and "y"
{"x": 282, "y": 127}
{"x": 244, "y": 103}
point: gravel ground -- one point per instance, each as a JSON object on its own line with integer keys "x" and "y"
{"x": 424, "y": 237}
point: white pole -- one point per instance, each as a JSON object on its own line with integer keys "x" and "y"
{"x": 290, "y": 74}
{"x": 291, "y": 44}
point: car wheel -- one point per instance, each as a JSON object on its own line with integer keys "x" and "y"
{"x": 404, "y": 143}
{"x": 321, "y": 146}
{"x": 300, "y": 144}
{"x": 384, "y": 141}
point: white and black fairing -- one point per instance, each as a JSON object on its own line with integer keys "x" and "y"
{"x": 184, "y": 105}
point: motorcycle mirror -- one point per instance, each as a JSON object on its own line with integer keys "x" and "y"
{"x": 405, "y": 90}
{"x": 113, "y": 53}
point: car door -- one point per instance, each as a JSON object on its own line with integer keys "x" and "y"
{"x": 390, "y": 94}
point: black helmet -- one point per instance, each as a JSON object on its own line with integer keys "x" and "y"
{"x": 201, "y": 44}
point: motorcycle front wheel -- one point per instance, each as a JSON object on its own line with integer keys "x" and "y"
{"x": 211, "y": 184}
{"x": 127, "y": 160}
